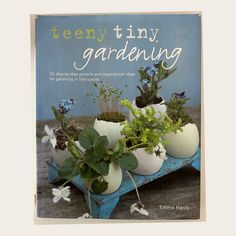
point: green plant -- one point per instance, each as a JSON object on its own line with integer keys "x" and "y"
{"x": 67, "y": 126}
{"x": 108, "y": 100}
{"x": 94, "y": 162}
{"x": 150, "y": 77}
{"x": 146, "y": 130}
{"x": 176, "y": 109}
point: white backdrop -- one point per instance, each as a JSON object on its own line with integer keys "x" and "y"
{"x": 17, "y": 116}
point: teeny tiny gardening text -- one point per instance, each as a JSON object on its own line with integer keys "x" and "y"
{"x": 125, "y": 52}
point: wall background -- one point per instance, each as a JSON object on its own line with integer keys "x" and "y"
{"x": 178, "y": 30}
{"x": 218, "y": 47}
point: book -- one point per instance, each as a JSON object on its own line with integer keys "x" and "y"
{"x": 118, "y": 109}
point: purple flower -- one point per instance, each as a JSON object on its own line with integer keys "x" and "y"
{"x": 179, "y": 95}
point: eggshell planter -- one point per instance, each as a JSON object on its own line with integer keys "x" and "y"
{"x": 183, "y": 144}
{"x": 114, "y": 179}
{"x": 148, "y": 164}
{"x": 60, "y": 156}
{"x": 109, "y": 129}
{"x": 160, "y": 107}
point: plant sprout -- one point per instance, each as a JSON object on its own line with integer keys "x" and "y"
{"x": 146, "y": 130}
{"x": 67, "y": 125}
{"x": 176, "y": 109}
{"x": 108, "y": 100}
{"x": 150, "y": 78}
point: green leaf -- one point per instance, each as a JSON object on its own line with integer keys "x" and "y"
{"x": 101, "y": 167}
{"x": 127, "y": 161}
{"x": 141, "y": 91}
{"x": 100, "y": 146}
{"x": 99, "y": 187}
{"x": 87, "y": 137}
{"x": 74, "y": 150}
{"x": 119, "y": 147}
{"x": 142, "y": 74}
{"x": 57, "y": 114}
{"x": 171, "y": 71}
{"x": 102, "y": 140}
{"x": 66, "y": 120}
{"x": 87, "y": 172}
{"x": 69, "y": 168}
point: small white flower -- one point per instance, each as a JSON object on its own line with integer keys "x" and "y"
{"x": 49, "y": 136}
{"x": 161, "y": 152}
{"x": 139, "y": 208}
{"x": 61, "y": 193}
{"x": 85, "y": 216}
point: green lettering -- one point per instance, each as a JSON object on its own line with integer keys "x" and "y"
{"x": 90, "y": 33}
{"x": 67, "y": 34}
{"x": 102, "y": 35}
{"x": 55, "y": 32}
{"x": 79, "y": 34}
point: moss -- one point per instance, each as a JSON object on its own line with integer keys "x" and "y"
{"x": 111, "y": 116}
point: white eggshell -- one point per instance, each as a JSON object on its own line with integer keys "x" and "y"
{"x": 109, "y": 129}
{"x": 147, "y": 163}
{"x": 114, "y": 179}
{"x": 183, "y": 144}
{"x": 60, "y": 156}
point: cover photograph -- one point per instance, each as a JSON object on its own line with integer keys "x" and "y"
{"x": 118, "y": 116}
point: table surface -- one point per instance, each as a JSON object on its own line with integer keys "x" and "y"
{"x": 169, "y": 165}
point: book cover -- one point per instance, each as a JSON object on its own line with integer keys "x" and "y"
{"x": 118, "y": 116}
